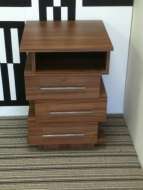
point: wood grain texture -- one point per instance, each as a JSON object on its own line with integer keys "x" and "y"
{"x": 63, "y": 78}
{"x": 66, "y": 117}
{"x": 62, "y": 85}
{"x": 65, "y": 36}
{"x": 66, "y": 122}
{"x": 52, "y": 128}
{"x": 64, "y": 140}
{"x": 71, "y": 110}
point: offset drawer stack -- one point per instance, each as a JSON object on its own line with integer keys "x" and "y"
{"x": 64, "y": 82}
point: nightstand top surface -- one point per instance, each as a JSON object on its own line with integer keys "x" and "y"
{"x": 65, "y": 36}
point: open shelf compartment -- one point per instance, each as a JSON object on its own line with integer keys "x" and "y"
{"x": 97, "y": 61}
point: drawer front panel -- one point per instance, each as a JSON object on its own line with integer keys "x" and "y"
{"x": 51, "y": 128}
{"x": 41, "y": 132}
{"x": 63, "y": 139}
{"x": 69, "y": 110}
{"x": 43, "y": 86}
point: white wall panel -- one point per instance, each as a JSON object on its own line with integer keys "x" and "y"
{"x": 15, "y": 45}
{"x": 11, "y": 82}
{"x": 20, "y": 13}
{"x": 57, "y": 3}
{"x": 49, "y": 13}
{"x": 134, "y": 83}
{"x": 118, "y": 23}
{"x": 2, "y": 47}
{"x": 64, "y": 13}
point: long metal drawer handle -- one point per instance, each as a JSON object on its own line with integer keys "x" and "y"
{"x": 63, "y": 135}
{"x": 72, "y": 113}
{"x": 63, "y": 88}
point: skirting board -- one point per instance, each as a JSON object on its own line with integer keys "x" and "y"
{"x": 13, "y": 111}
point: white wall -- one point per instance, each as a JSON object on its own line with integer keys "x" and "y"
{"x": 134, "y": 84}
{"x": 118, "y": 23}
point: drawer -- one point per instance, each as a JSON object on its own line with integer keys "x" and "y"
{"x": 69, "y": 110}
{"x": 62, "y": 139}
{"x": 43, "y": 132}
{"x": 93, "y": 110}
{"x": 62, "y": 85}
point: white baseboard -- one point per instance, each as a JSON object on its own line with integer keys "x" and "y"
{"x": 13, "y": 111}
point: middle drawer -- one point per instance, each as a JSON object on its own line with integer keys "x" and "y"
{"x": 62, "y": 85}
{"x": 71, "y": 110}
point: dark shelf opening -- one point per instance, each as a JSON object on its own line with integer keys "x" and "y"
{"x": 71, "y": 61}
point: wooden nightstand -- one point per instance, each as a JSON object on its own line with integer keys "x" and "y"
{"x": 65, "y": 62}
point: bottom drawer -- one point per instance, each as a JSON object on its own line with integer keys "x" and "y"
{"x": 40, "y": 127}
{"x": 41, "y": 133}
{"x": 62, "y": 139}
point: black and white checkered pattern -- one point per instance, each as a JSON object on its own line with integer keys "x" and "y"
{"x": 57, "y": 9}
{"x": 11, "y": 63}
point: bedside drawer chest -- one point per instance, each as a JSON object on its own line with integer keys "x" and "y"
{"x": 63, "y": 80}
